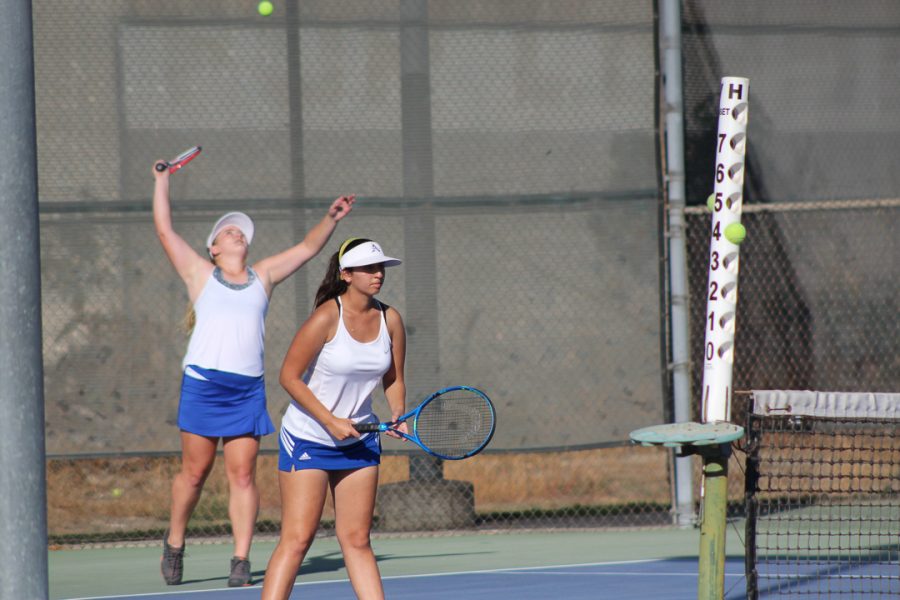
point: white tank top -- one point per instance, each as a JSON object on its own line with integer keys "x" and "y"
{"x": 342, "y": 377}
{"x": 230, "y": 330}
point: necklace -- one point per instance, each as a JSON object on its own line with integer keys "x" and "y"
{"x": 220, "y": 277}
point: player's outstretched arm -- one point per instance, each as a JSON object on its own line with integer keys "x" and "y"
{"x": 275, "y": 269}
{"x": 191, "y": 267}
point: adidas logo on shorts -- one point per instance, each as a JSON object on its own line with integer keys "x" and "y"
{"x": 304, "y": 456}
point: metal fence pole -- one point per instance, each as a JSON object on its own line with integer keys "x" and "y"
{"x": 298, "y": 165}
{"x": 418, "y": 182}
{"x": 23, "y": 501}
{"x": 673, "y": 110}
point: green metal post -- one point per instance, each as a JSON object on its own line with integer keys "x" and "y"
{"x": 711, "y": 583}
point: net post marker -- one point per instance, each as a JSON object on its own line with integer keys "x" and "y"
{"x": 721, "y": 292}
{"x": 721, "y": 311}
{"x": 711, "y": 439}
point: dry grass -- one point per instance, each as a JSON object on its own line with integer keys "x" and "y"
{"x": 119, "y": 495}
{"x": 555, "y": 480}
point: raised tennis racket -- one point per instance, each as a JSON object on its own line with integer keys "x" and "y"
{"x": 453, "y": 423}
{"x": 179, "y": 161}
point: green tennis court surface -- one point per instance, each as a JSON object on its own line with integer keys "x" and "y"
{"x": 104, "y": 572}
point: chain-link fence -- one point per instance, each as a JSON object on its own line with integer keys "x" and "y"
{"x": 819, "y": 271}
{"x": 818, "y": 306}
{"x": 505, "y": 150}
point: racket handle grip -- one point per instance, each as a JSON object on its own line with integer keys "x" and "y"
{"x": 368, "y": 427}
{"x": 161, "y": 166}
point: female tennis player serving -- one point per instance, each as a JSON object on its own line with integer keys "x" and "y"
{"x": 222, "y": 391}
{"x": 350, "y": 343}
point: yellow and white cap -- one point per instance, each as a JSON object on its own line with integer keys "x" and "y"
{"x": 366, "y": 253}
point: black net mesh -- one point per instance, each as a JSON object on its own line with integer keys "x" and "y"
{"x": 823, "y": 507}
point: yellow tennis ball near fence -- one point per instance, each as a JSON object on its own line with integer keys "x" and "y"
{"x": 265, "y": 8}
{"x": 735, "y": 233}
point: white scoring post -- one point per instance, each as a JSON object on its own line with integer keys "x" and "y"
{"x": 721, "y": 307}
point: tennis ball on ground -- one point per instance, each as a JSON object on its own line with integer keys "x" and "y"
{"x": 711, "y": 202}
{"x": 116, "y": 492}
{"x": 265, "y": 8}
{"x": 735, "y": 233}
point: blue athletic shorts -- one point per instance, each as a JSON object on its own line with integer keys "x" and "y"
{"x": 223, "y": 404}
{"x": 295, "y": 454}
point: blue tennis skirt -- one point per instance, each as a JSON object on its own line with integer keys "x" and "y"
{"x": 295, "y": 454}
{"x": 224, "y": 405}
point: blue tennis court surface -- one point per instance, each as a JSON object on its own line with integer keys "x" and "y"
{"x": 559, "y": 565}
{"x": 669, "y": 579}
{"x": 672, "y": 579}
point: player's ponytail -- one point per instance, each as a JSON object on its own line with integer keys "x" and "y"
{"x": 332, "y": 285}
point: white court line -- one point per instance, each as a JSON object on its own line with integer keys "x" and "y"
{"x": 181, "y": 593}
{"x": 826, "y": 576}
{"x": 621, "y": 573}
{"x": 523, "y": 569}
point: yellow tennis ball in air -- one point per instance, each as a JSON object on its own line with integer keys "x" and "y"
{"x": 711, "y": 202}
{"x": 116, "y": 492}
{"x": 735, "y": 233}
{"x": 265, "y": 8}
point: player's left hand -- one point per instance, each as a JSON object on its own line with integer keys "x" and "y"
{"x": 401, "y": 427}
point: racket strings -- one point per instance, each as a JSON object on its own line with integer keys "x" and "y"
{"x": 456, "y": 424}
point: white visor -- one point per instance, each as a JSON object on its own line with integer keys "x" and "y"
{"x": 239, "y": 219}
{"x": 367, "y": 253}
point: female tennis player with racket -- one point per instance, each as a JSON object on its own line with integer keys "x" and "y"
{"x": 348, "y": 345}
{"x": 223, "y": 392}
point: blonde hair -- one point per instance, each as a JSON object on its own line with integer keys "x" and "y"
{"x": 189, "y": 320}
{"x": 190, "y": 316}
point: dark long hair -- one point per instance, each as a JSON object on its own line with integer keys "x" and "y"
{"x": 332, "y": 285}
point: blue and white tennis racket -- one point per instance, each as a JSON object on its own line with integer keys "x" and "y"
{"x": 453, "y": 423}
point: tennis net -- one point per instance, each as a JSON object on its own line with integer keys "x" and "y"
{"x": 823, "y": 495}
